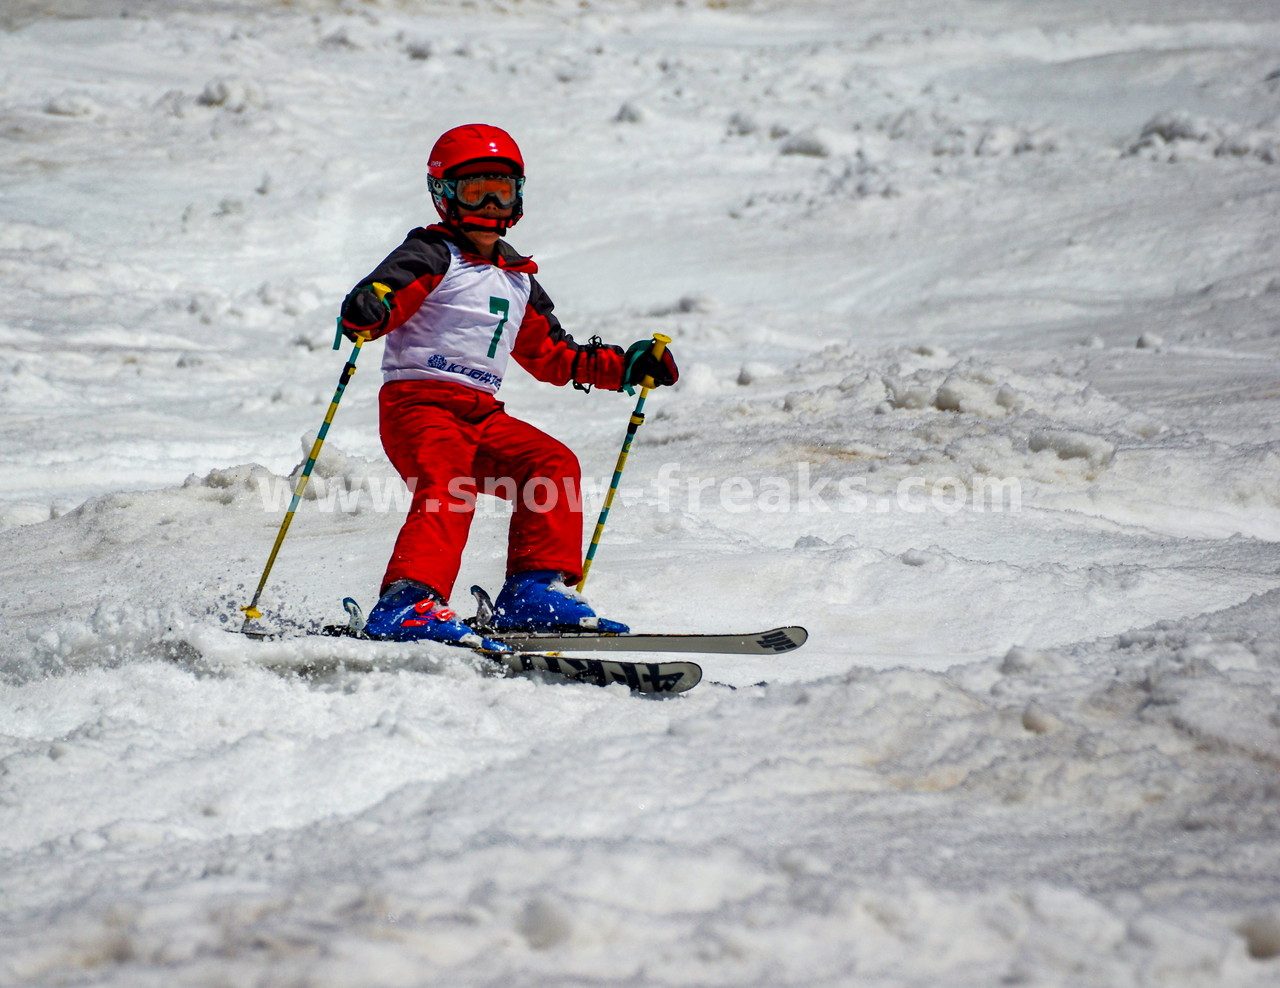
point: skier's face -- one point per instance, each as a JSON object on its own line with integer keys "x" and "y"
{"x": 485, "y": 239}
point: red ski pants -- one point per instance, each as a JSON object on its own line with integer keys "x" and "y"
{"x": 450, "y": 442}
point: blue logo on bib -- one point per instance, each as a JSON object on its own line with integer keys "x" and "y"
{"x": 481, "y": 377}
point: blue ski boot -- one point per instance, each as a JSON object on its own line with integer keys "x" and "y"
{"x": 540, "y": 601}
{"x": 411, "y": 611}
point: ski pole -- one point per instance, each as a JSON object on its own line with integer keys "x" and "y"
{"x": 637, "y": 419}
{"x": 251, "y": 612}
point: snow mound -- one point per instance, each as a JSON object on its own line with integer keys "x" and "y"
{"x": 463, "y": 855}
{"x": 921, "y": 415}
{"x": 1180, "y": 136}
{"x": 917, "y": 411}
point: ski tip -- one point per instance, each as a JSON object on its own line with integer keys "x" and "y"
{"x": 778, "y": 640}
{"x": 640, "y": 677}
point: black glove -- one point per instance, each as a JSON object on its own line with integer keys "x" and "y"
{"x": 641, "y": 363}
{"x": 366, "y": 311}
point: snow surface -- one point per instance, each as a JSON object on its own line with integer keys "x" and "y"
{"x": 920, "y": 259}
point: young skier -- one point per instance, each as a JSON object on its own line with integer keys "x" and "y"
{"x": 454, "y": 302}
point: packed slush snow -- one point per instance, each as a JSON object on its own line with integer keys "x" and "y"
{"x": 977, "y": 308}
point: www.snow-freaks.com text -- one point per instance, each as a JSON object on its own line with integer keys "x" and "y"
{"x": 670, "y": 489}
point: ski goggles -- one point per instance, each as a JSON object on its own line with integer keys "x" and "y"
{"x": 473, "y": 191}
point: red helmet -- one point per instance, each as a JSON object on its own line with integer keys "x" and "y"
{"x": 472, "y": 144}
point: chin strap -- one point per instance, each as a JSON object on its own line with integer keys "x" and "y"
{"x": 484, "y": 224}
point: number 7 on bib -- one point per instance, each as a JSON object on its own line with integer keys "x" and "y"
{"x": 498, "y": 306}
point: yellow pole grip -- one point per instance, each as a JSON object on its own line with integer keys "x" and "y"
{"x": 659, "y": 348}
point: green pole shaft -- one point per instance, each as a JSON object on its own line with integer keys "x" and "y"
{"x": 251, "y": 612}
{"x": 633, "y": 425}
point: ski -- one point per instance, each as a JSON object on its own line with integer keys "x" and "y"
{"x": 642, "y": 677}
{"x": 774, "y": 641}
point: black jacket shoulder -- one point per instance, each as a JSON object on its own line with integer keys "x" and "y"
{"x": 424, "y": 253}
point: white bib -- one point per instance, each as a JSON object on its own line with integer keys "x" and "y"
{"x": 464, "y": 330}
